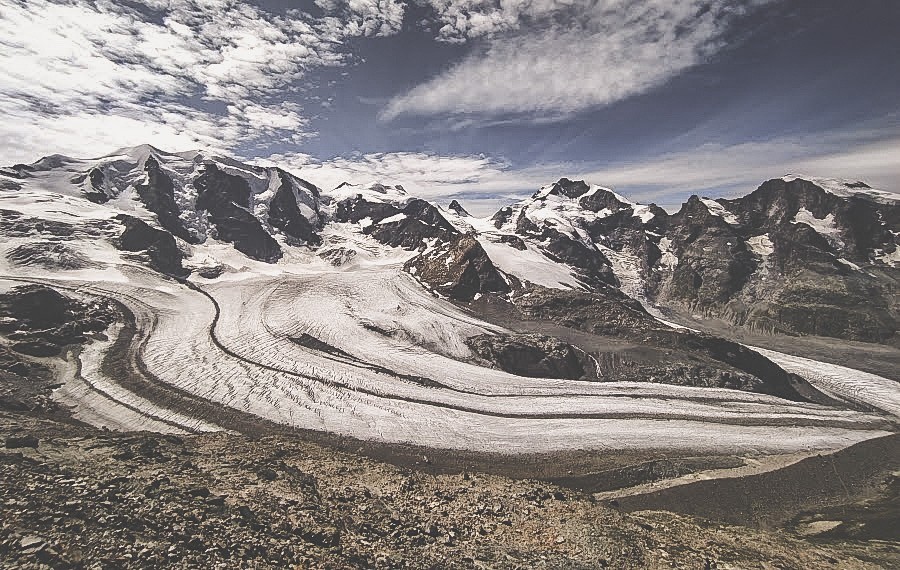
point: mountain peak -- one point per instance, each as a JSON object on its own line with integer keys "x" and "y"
{"x": 569, "y": 188}
{"x": 458, "y": 208}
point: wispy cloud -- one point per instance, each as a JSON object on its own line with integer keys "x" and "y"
{"x": 423, "y": 174}
{"x": 571, "y": 56}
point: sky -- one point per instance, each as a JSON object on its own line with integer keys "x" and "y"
{"x": 478, "y": 100}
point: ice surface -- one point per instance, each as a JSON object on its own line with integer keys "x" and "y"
{"x": 842, "y": 382}
{"x": 761, "y": 245}
{"x": 717, "y": 209}
{"x": 826, "y": 227}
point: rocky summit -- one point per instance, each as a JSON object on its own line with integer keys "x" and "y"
{"x": 211, "y": 364}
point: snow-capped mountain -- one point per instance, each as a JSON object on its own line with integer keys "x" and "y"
{"x": 368, "y": 312}
{"x": 798, "y": 255}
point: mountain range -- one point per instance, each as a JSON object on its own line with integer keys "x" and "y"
{"x": 372, "y": 292}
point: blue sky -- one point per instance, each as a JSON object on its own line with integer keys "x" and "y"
{"x": 483, "y": 100}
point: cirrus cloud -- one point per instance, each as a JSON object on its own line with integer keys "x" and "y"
{"x": 572, "y": 56}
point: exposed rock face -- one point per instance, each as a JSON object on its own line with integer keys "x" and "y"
{"x": 827, "y": 255}
{"x": 226, "y": 199}
{"x": 502, "y": 217}
{"x": 756, "y": 373}
{"x": 458, "y": 208}
{"x": 534, "y": 355}
{"x": 459, "y": 269}
{"x": 158, "y": 195}
{"x": 408, "y": 226}
{"x": 96, "y": 193}
{"x": 421, "y": 221}
{"x": 14, "y": 224}
{"x": 569, "y": 188}
{"x": 39, "y": 321}
{"x": 159, "y": 246}
{"x": 356, "y": 209}
{"x": 338, "y": 256}
{"x": 790, "y": 257}
{"x": 684, "y": 357}
{"x": 18, "y": 171}
{"x": 714, "y": 262}
{"x": 796, "y": 256}
{"x": 286, "y": 215}
{"x": 606, "y": 312}
{"x": 592, "y": 266}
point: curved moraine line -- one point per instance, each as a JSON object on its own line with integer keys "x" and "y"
{"x": 848, "y": 384}
{"x": 108, "y": 398}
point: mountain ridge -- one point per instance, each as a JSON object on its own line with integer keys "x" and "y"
{"x": 746, "y": 260}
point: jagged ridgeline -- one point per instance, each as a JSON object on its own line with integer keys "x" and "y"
{"x": 797, "y": 255}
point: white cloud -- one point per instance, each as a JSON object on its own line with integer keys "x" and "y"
{"x": 572, "y": 55}
{"x": 422, "y": 174}
{"x": 103, "y": 66}
{"x": 464, "y": 19}
{"x": 366, "y": 18}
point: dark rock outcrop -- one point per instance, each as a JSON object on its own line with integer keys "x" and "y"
{"x": 36, "y": 306}
{"x": 39, "y": 321}
{"x": 533, "y": 355}
{"x": 160, "y": 248}
{"x": 792, "y": 257}
{"x": 354, "y": 210}
{"x": 822, "y": 276}
{"x": 14, "y": 224}
{"x": 158, "y": 195}
{"x": 338, "y": 256}
{"x": 714, "y": 262}
{"x": 569, "y": 188}
{"x": 502, "y": 217}
{"x": 459, "y": 269}
{"x": 21, "y": 441}
{"x": 602, "y": 200}
{"x": 96, "y": 193}
{"x": 285, "y": 213}
{"x": 49, "y": 255}
{"x": 18, "y": 171}
{"x": 458, "y": 208}
{"x": 685, "y": 357}
{"x": 226, "y": 199}
{"x": 605, "y": 311}
{"x": 592, "y": 267}
{"x": 408, "y": 226}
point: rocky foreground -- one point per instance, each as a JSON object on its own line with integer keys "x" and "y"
{"x": 75, "y": 497}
